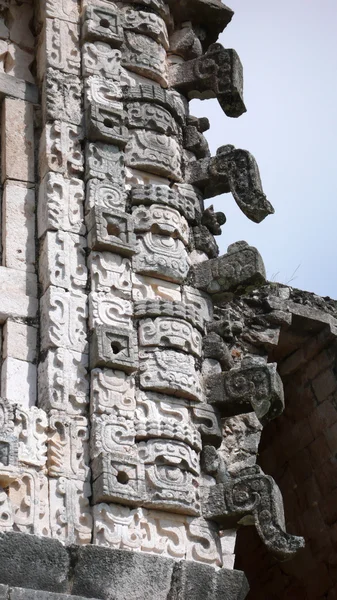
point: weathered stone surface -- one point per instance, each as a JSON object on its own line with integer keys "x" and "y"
{"x": 170, "y": 333}
{"x": 213, "y": 220}
{"x": 102, "y": 22}
{"x": 211, "y": 15}
{"x": 104, "y": 161}
{"x": 169, "y": 308}
{"x": 63, "y": 261}
{"x": 196, "y": 301}
{"x": 30, "y": 426}
{"x": 214, "y": 347}
{"x": 216, "y": 74}
{"x": 105, "y": 194}
{"x": 174, "y": 102}
{"x": 101, "y": 59}
{"x": 150, "y": 288}
{"x": 109, "y": 310}
{"x": 60, "y": 204}
{"x": 201, "y": 583}
{"x": 20, "y": 299}
{"x": 161, "y": 256}
{"x": 146, "y": 115}
{"x": 145, "y": 22}
{"x": 156, "y": 153}
{"x": 110, "y": 273}
{"x": 18, "y": 381}
{"x": 18, "y": 222}
{"x": 232, "y": 170}
{"x": 111, "y": 230}
{"x": 111, "y": 434}
{"x": 62, "y": 97}
{"x": 70, "y": 511}
{"x": 204, "y": 241}
{"x": 17, "y": 88}
{"x": 144, "y": 56}
{"x": 59, "y": 47}
{"x": 207, "y": 420}
{"x": 240, "y": 268}
{"x": 114, "y": 347}
{"x": 255, "y": 384}
{"x": 182, "y": 197}
{"x": 64, "y": 316}
{"x": 107, "y": 124}
{"x": 112, "y": 392}
{"x": 160, "y": 219}
{"x": 118, "y": 477}
{"x": 17, "y": 158}
{"x": 19, "y": 341}
{"x": 68, "y": 447}
{"x": 60, "y": 149}
{"x": 185, "y": 43}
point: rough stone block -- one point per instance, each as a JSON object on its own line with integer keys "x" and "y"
{"x": 114, "y": 347}
{"x": 20, "y": 294}
{"x": 19, "y": 341}
{"x": 18, "y": 205}
{"x": 18, "y": 381}
{"x": 17, "y": 161}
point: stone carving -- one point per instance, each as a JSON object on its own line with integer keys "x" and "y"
{"x": 60, "y": 204}
{"x": 59, "y": 48}
{"x": 65, "y": 9}
{"x": 104, "y": 161}
{"x": 107, "y": 309}
{"x": 112, "y": 392}
{"x": 110, "y": 273}
{"x": 118, "y": 477}
{"x": 30, "y": 427}
{"x": 149, "y": 288}
{"x": 168, "y": 99}
{"x": 207, "y": 420}
{"x": 102, "y": 91}
{"x": 64, "y": 317}
{"x": 170, "y": 333}
{"x": 169, "y": 308}
{"x": 147, "y": 23}
{"x": 160, "y": 219}
{"x": 198, "y": 302}
{"x": 217, "y": 74}
{"x": 62, "y": 261}
{"x": 8, "y": 449}
{"x": 181, "y": 197}
{"x": 213, "y": 220}
{"x": 146, "y": 115}
{"x": 24, "y": 504}
{"x": 170, "y": 372}
{"x": 154, "y": 153}
{"x": 240, "y": 268}
{"x": 208, "y": 17}
{"x": 107, "y": 124}
{"x": 60, "y": 149}
{"x": 236, "y": 171}
{"x": 62, "y": 97}
{"x": 253, "y": 494}
{"x": 160, "y": 416}
{"x": 154, "y": 532}
{"x": 63, "y": 381}
{"x": 161, "y": 256}
{"x": 102, "y": 60}
{"x": 205, "y": 242}
{"x": 253, "y": 385}
{"x": 144, "y": 56}
{"x": 68, "y": 448}
{"x": 114, "y": 347}
{"x": 185, "y": 43}
{"x": 157, "y": 6}
{"x": 102, "y": 22}
{"x": 111, "y": 230}
{"x": 110, "y": 433}
{"x": 70, "y": 514}
{"x": 105, "y": 194}
{"x": 6, "y": 416}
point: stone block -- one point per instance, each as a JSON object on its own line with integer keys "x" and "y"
{"x": 70, "y": 511}
{"x": 112, "y": 392}
{"x": 19, "y": 341}
{"x": 202, "y": 582}
{"x": 110, "y": 311}
{"x": 118, "y": 477}
{"x": 27, "y": 594}
{"x": 64, "y": 317}
{"x": 169, "y": 308}
{"x": 63, "y": 261}
{"x": 109, "y": 433}
{"x": 162, "y": 257}
{"x": 61, "y": 97}
{"x": 68, "y": 446}
{"x": 19, "y": 63}
{"x": 30, "y": 427}
{"x": 197, "y": 301}
{"x": 212, "y": 16}
{"x": 161, "y": 220}
{"x": 18, "y": 205}
{"x": 17, "y": 160}
{"x": 60, "y": 205}
{"x": 170, "y": 333}
{"x": 110, "y": 273}
{"x": 148, "y": 23}
{"x": 60, "y": 149}
{"x": 20, "y": 294}
{"x": 111, "y": 230}
{"x": 102, "y": 60}
{"x": 104, "y": 161}
{"x": 238, "y": 270}
{"x": 174, "y": 102}
{"x": 155, "y": 153}
{"x": 59, "y": 47}
{"x": 114, "y": 347}
{"x": 63, "y": 381}
{"x": 66, "y": 10}
{"x": 149, "y": 288}
{"x": 102, "y": 22}
{"x": 105, "y": 194}
{"x": 145, "y": 56}
{"x": 34, "y": 562}
{"x": 152, "y": 117}
{"x": 20, "y": 33}
{"x": 107, "y": 124}
{"x": 17, "y": 88}
{"x": 18, "y": 381}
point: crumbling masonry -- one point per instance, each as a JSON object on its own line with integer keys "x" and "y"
{"x": 138, "y": 367}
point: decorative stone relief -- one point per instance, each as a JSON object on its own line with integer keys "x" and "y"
{"x": 24, "y": 506}
{"x": 161, "y": 220}
{"x": 62, "y": 261}
{"x": 170, "y": 308}
{"x": 64, "y": 316}
{"x": 101, "y": 59}
{"x": 111, "y": 230}
{"x": 146, "y": 115}
{"x": 30, "y": 427}
{"x": 114, "y": 347}
{"x": 107, "y": 123}
{"x": 59, "y": 47}
{"x": 181, "y": 197}
{"x": 65, "y": 9}
{"x": 118, "y": 477}
{"x": 170, "y": 372}
{"x": 149, "y": 288}
{"x": 105, "y": 194}
{"x": 60, "y": 149}
{"x": 170, "y": 333}
{"x": 60, "y": 204}
{"x": 104, "y": 161}
{"x": 63, "y": 381}
{"x": 169, "y": 99}
{"x": 147, "y": 23}
{"x": 102, "y": 22}
{"x": 112, "y": 392}
{"x": 110, "y": 433}
{"x": 70, "y": 512}
{"x": 155, "y": 153}
{"x": 161, "y": 256}
{"x": 144, "y": 56}
{"x": 110, "y": 273}
{"x": 62, "y": 94}
{"x": 68, "y": 447}
{"x": 109, "y": 310}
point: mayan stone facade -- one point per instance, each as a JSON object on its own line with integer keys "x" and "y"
{"x": 138, "y": 367}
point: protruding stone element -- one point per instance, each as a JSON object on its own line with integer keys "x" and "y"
{"x": 60, "y": 204}
{"x": 162, "y": 220}
{"x": 154, "y": 153}
{"x": 64, "y": 316}
{"x": 253, "y": 495}
{"x": 152, "y": 532}
{"x": 110, "y": 273}
{"x": 170, "y": 99}
{"x": 62, "y": 261}
{"x": 236, "y": 171}
{"x": 170, "y": 372}
{"x": 186, "y": 199}
{"x": 60, "y": 149}
{"x": 107, "y": 123}
{"x": 145, "y": 22}
{"x": 215, "y": 348}
{"x": 213, "y": 220}
{"x": 149, "y": 288}
{"x": 207, "y": 420}
{"x": 237, "y": 270}
{"x": 154, "y": 6}
{"x": 161, "y": 416}
{"x": 111, "y": 230}
{"x": 145, "y": 57}
{"x": 161, "y": 256}
{"x": 111, "y": 434}
{"x": 62, "y": 97}
{"x": 30, "y": 427}
{"x": 104, "y": 161}
{"x": 112, "y": 392}
{"x": 253, "y": 385}
{"x": 101, "y": 59}
{"x": 216, "y": 74}
{"x": 109, "y": 310}
{"x": 68, "y": 446}
{"x": 185, "y": 43}
{"x": 212, "y": 16}
{"x": 102, "y": 22}
{"x": 114, "y": 347}
{"x": 63, "y": 381}
{"x": 170, "y": 308}
{"x": 170, "y": 333}
{"x": 105, "y": 194}
{"x": 118, "y": 477}
{"x": 70, "y": 512}
{"x": 196, "y": 301}
{"x": 146, "y": 115}
{"x": 204, "y": 241}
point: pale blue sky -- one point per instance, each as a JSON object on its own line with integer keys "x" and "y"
{"x": 289, "y": 54}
